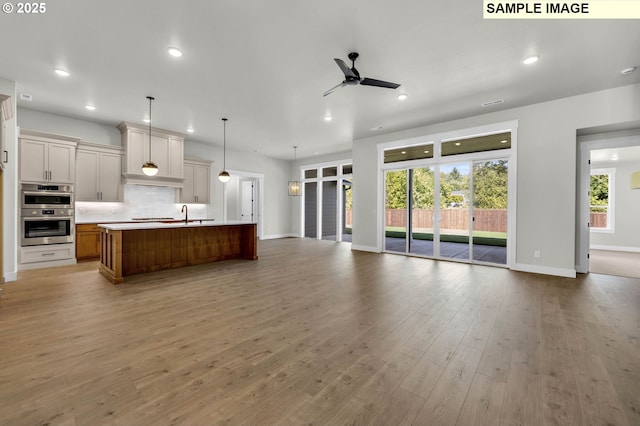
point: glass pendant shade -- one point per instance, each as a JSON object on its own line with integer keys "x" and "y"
{"x": 295, "y": 189}
{"x": 149, "y": 169}
{"x": 224, "y": 176}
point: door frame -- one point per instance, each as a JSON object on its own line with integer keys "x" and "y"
{"x": 438, "y": 159}
{"x": 585, "y": 145}
{"x": 258, "y": 178}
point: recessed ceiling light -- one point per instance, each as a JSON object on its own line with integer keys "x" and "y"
{"x": 402, "y": 96}
{"x": 190, "y": 130}
{"x": 90, "y": 107}
{"x": 403, "y": 152}
{"x": 375, "y": 129}
{"x": 328, "y": 118}
{"x": 531, "y": 60}
{"x": 628, "y": 71}
{"x": 175, "y": 52}
{"x": 503, "y": 141}
{"x": 458, "y": 143}
{"x": 426, "y": 151}
{"x": 146, "y": 120}
{"x": 61, "y": 72}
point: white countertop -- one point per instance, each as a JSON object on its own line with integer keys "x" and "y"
{"x": 157, "y": 225}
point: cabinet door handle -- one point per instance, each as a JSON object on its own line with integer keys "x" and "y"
{"x": 6, "y": 156}
{"x": 48, "y": 254}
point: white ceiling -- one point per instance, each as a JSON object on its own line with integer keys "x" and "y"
{"x": 609, "y": 155}
{"x": 265, "y": 64}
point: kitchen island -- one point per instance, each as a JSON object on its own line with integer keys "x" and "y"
{"x": 136, "y": 248}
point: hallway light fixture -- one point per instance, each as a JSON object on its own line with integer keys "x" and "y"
{"x": 149, "y": 168}
{"x": 295, "y": 188}
{"x": 224, "y": 174}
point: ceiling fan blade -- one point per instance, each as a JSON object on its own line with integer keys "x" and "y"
{"x": 379, "y": 83}
{"x": 345, "y": 69}
{"x": 333, "y": 89}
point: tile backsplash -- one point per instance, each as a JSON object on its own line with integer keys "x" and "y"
{"x": 139, "y": 201}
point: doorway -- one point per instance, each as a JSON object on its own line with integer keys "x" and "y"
{"x": 607, "y": 205}
{"x": 243, "y": 196}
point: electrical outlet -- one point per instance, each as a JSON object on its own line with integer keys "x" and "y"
{"x": 536, "y": 254}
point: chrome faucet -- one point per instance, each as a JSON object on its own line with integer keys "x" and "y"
{"x": 185, "y": 210}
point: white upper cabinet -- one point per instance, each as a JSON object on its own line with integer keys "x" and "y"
{"x": 98, "y": 173}
{"x": 167, "y": 152}
{"x": 197, "y": 182}
{"x": 47, "y": 158}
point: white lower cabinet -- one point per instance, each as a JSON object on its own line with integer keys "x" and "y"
{"x": 48, "y": 255}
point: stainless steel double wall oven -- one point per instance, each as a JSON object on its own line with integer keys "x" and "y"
{"x": 47, "y": 214}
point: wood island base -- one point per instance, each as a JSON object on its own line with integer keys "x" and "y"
{"x": 126, "y": 252}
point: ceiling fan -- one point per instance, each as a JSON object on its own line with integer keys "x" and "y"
{"x": 352, "y": 76}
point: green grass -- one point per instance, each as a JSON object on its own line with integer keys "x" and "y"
{"x": 486, "y": 238}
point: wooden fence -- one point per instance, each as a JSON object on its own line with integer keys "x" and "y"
{"x": 598, "y": 219}
{"x": 486, "y": 219}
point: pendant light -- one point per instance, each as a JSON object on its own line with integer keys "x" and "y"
{"x": 295, "y": 189}
{"x": 224, "y": 174}
{"x": 149, "y": 168}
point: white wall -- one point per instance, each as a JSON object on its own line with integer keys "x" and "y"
{"x": 626, "y": 235}
{"x": 10, "y": 190}
{"x": 546, "y": 178}
{"x": 66, "y": 126}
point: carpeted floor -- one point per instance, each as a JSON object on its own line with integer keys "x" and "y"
{"x": 620, "y": 263}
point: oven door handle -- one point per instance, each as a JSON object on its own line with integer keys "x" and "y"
{"x": 39, "y": 218}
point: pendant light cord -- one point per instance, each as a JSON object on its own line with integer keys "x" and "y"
{"x": 224, "y": 145}
{"x": 151, "y": 98}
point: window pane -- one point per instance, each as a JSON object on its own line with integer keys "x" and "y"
{"x": 347, "y": 169}
{"x": 599, "y": 201}
{"x": 409, "y": 153}
{"x": 477, "y": 144}
{"x": 311, "y": 173}
{"x": 330, "y": 171}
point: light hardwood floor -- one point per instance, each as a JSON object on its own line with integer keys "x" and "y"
{"x": 313, "y": 333}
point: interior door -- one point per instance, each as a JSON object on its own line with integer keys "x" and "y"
{"x": 247, "y": 201}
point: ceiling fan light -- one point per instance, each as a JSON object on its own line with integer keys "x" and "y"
{"x": 149, "y": 168}
{"x": 224, "y": 176}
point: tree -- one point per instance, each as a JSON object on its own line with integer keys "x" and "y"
{"x": 490, "y": 184}
{"x": 599, "y": 190}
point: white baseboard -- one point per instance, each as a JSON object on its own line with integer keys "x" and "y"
{"x": 277, "y": 236}
{"x": 616, "y": 248}
{"x": 365, "y": 248}
{"x": 545, "y": 270}
{"x": 10, "y": 276}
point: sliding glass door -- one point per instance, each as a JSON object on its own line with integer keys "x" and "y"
{"x": 490, "y": 204}
{"x": 450, "y": 211}
{"x": 454, "y": 224}
{"x": 422, "y": 213}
